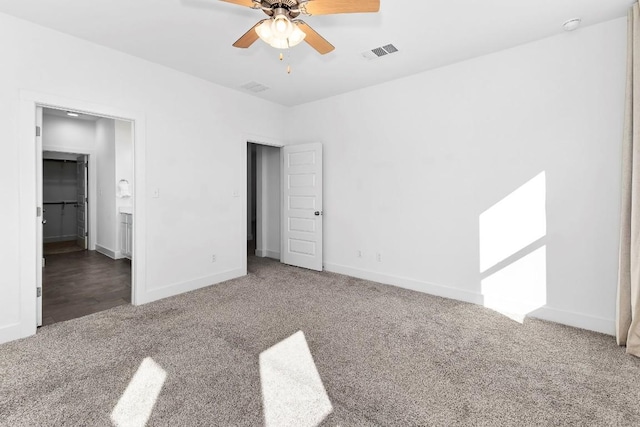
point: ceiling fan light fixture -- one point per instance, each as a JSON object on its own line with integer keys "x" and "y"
{"x": 266, "y": 33}
{"x": 297, "y": 36}
{"x": 281, "y": 27}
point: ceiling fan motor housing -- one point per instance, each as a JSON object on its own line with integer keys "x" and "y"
{"x": 291, "y": 7}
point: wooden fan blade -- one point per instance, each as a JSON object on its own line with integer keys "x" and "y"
{"x": 314, "y": 39}
{"x": 248, "y": 38}
{"x": 247, "y": 3}
{"x": 328, "y": 7}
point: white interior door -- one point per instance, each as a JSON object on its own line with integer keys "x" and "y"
{"x": 302, "y": 206}
{"x": 81, "y": 198}
{"x": 39, "y": 217}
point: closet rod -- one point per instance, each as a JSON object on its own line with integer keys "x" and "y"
{"x": 63, "y": 202}
{"x": 60, "y": 160}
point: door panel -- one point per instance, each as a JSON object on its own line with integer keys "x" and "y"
{"x": 81, "y": 211}
{"x": 302, "y": 206}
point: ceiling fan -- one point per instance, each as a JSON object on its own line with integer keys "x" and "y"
{"x": 283, "y": 29}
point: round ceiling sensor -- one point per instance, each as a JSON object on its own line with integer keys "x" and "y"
{"x": 571, "y": 24}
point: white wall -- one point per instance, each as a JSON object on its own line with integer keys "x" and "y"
{"x": 412, "y": 164}
{"x": 106, "y": 175}
{"x": 268, "y": 200}
{"x": 195, "y": 137}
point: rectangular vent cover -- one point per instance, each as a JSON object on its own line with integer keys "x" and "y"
{"x": 254, "y": 87}
{"x": 379, "y": 51}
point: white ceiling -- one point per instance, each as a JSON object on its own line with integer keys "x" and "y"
{"x": 62, "y": 113}
{"x": 195, "y": 36}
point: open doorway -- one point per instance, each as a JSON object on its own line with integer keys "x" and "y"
{"x": 263, "y": 200}
{"x": 85, "y": 180}
{"x": 64, "y": 195}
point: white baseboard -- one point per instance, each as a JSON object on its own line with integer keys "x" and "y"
{"x": 577, "y": 320}
{"x": 190, "y": 285}
{"x": 265, "y": 253}
{"x": 106, "y": 251}
{"x": 11, "y": 332}
{"x": 407, "y": 283}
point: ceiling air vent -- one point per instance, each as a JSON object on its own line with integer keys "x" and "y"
{"x": 379, "y": 51}
{"x": 254, "y": 87}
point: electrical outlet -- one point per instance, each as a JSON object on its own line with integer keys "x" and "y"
{"x": 379, "y": 257}
{"x": 359, "y": 254}
{"x": 213, "y": 258}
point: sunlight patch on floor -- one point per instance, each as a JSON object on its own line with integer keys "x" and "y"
{"x": 136, "y": 403}
{"x": 292, "y": 390}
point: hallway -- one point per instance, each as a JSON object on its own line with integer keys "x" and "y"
{"x": 80, "y": 283}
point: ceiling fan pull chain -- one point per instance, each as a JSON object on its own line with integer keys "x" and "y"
{"x": 289, "y": 64}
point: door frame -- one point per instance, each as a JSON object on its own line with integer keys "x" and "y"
{"x": 26, "y": 324}
{"x": 246, "y": 140}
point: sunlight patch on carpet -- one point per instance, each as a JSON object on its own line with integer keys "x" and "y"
{"x": 136, "y": 403}
{"x": 292, "y": 390}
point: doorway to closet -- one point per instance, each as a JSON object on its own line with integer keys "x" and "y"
{"x": 64, "y": 194}
{"x": 86, "y": 183}
{"x": 284, "y": 204}
{"x": 263, "y": 201}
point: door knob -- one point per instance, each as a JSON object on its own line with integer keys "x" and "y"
{"x": 317, "y": 213}
{"x": 44, "y": 221}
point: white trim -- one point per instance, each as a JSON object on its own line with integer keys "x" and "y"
{"x": 29, "y": 100}
{"x": 192, "y": 285}
{"x": 10, "y": 332}
{"x": 107, "y": 252}
{"x": 407, "y": 283}
{"x": 262, "y": 140}
{"x": 265, "y": 253}
{"x": 577, "y": 320}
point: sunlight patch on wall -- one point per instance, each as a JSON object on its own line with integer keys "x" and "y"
{"x": 136, "y": 403}
{"x": 510, "y": 240}
{"x": 513, "y": 223}
{"x": 519, "y": 288}
{"x": 292, "y": 390}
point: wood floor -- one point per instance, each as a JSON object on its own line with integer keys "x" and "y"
{"x": 61, "y": 247}
{"x": 76, "y": 284}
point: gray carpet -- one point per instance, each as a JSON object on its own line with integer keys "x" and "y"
{"x": 386, "y": 356}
